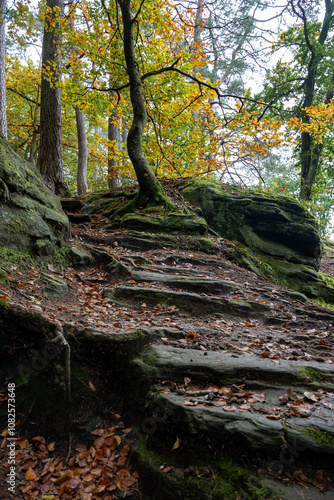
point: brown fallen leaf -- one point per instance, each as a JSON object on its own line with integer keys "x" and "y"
{"x": 167, "y": 469}
{"x": 29, "y": 463}
{"x": 91, "y": 386}
{"x": 311, "y": 396}
{"x": 229, "y": 408}
{"x": 30, "y": 474}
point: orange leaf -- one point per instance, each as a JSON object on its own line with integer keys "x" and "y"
{"x": 125, "y": 450}
{"x": 92, "y": 386}
{"x": 30, "y": 474}
{"x": 167, "y": 469}
{"x": 191, "y": 335}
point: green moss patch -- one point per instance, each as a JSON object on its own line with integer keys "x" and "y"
{"x": 314, "y": 375}
{"x": 321, "y": 437}
{"x": 196, "y": 473}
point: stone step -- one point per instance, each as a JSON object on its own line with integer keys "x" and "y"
{"x": 136, "y": 240}
{"x": 176, "y": 363}
{"x": 244, "y": 404}
{"x": 189, "y": 303}
{"x": 193, "y": 284}
{"x": 71, "y": 204}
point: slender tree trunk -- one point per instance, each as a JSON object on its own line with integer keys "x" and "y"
{"x": 114, "y": 135}
{"x": 82, "y": 187}
{"x": 150, "y": 189}
{"x": 35, "y": 133}
{"x": 3, "y": 107}
{"x": 82, "y": 152}
{"x": 50, "y": 154}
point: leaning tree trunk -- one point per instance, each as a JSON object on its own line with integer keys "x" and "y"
{"x": 3, "y": 110}
{"x": 82, "y": 152}
{"x": 50, "y": 153}
{"x": 150, "y": 189}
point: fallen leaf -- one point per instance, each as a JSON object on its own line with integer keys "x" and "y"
{"x": 229, "y": 408}
{"x": 125, "y": 450}
{"x": 176, "y": 445}
{"x": 167, "y": 469}
{"x": 30, "y": 474}
{"x": 92, "y": 386}
{"x": 311, "y": 396}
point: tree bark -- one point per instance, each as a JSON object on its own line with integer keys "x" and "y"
{"x": 3, "y": 107}
{"x": 310, "y": 150}
{"x": 50, "y": 153}
{"x": 114, "y": 135}
{"x": 150, "y": 189}
{"x": 82, "y": 152}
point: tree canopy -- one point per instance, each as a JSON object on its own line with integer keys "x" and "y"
{"x": 223, "y": 90}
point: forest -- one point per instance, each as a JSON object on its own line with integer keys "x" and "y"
{"x": 166, "y": 263}
{"x": 243, "y": 94}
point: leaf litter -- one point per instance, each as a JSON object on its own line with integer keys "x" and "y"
{"x": 93, "y": 473}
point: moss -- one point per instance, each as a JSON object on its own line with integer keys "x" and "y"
{"x": 15, "y": 226}
{"x": 152, "y": 395}
{"x": 214, "y": 477}
{"x": 321, "y": 437}
{"x": 151, "y": 359}
{"x": 329, "y": 280}
{"x": 314, "y": 375}
{"x": 3, "y": 277}
{"x": 12, "y": 257}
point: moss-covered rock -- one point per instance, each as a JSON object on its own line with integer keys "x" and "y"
{"x": 54, "y": 286}
{"x": 276, "y": 226}
{"x": 171, "y": 223}
{"x": 31, "y": 217}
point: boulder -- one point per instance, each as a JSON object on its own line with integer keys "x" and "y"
{"x": 31, "y": 217}
{"x": 277, "y": 226}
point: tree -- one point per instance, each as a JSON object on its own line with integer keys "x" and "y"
{"x": 50, "y": 153}
{"x": 307, "y": 80}
{"x": 310, "y": 150}
{"x": 150, "y": 189}
{"x": 82, "y": 152}
{"x": 3, "y": 110}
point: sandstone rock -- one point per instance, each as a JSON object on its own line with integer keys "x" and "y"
{"x": 276, "y": 226}
{"x": 31, "y": 217}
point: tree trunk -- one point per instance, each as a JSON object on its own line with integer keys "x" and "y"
{"x": 150, "y": 189}
{"x": 310, "y": 150}
{"x": 50, "y": 153}
{"x": 82, "y": 152}
{"x": 114, "y": 135}
{"x": 3, "y": 108}
{"x": 36, "y": 131}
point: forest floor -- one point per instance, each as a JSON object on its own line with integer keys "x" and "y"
{"x": 296, "y": 331}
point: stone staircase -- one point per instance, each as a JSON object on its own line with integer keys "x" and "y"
{"x": 215, "y": 371}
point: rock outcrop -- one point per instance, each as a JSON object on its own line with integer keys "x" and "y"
{"x": 275, "y": 236}
{"x": 276, "y": 226}
{"x": 31, "y": 217}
